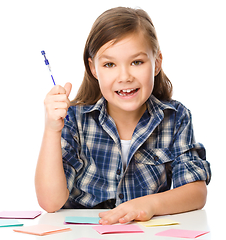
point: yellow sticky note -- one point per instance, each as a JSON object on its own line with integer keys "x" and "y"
{"x": 158, "y": 222}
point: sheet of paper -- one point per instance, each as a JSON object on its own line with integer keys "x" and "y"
{"x": 20, "y": 214}
{"x": 82, "y": 220}
{"x": 180, "y": 233}
{"x": 41, "y": 229}
{"x": 9, "y": 223}
{"x": 158, "y": 222}
{"x": 108, "y": 229}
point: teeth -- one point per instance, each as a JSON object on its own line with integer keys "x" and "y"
{"x": 123, "y": 92}
{"x": 128, "y": 90}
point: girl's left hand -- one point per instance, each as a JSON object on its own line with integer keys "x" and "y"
{"x": 137, "y": 209}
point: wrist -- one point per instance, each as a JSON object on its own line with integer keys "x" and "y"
{"x": 52, "y": 133}
{"x": 153, "y": 204}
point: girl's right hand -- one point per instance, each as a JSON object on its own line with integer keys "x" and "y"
{"x": 56, "y": 106}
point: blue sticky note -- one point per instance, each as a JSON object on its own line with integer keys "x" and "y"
{"x": 10, "y": 223}
{"x": 82, "y": 220}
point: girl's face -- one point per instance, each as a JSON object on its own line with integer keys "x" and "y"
{"x": 125, "y": 71}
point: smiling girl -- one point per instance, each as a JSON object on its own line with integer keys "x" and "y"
{"x": 125, "y": 71}
{"x": 126, "y": 140}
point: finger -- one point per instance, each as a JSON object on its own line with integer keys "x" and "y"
{"x": 51, "y": 107}
{"x": 102, "y": 214}
{"x": 139, "y": 216}
{"x": 58, "y": 114}
{"x": 130, "y": 216}
{"x": 60, "y": 105}
{"x": 142, "y": 216}
{"x": 54, "y": 99}
{"x": 68, "y": 87}
{"x": 59, "y": 98}
{"x": 57, "y": 89}
{"x": 112, "y": 217}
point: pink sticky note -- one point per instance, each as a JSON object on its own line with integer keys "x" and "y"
{"x": 181, "y": 233}
{"x": 41, "y": 229}
{"x": 104, "y": 229}
{"x": 20, "y": 214}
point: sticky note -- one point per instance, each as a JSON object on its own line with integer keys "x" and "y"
{"x": 41, "y": 229}
{"x": 180, "y": 233}
{"x": 9, "y": 223}
{"x": 82, "y": 220}
{"x": 108, "y": 229}
{"x": 20, "y": 214}
{"x": 158, "y": 222}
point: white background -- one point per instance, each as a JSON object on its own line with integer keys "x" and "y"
{"x": 192, "y": 39}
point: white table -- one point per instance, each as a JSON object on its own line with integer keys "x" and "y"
{"x": 195, "y": 220}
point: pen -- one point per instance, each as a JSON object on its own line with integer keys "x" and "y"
{"x": 47, "y": 64}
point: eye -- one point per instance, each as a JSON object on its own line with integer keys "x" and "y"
{"x": 109, "y": 65}
{"x": 136, "y": 63}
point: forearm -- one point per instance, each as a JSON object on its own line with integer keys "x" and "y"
{"x": 50, "y": 180}
{"x": 189, "y": 197}
{"x": 182, "y": 199}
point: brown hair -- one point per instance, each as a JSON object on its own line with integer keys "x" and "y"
{"x": 115, "y": 24}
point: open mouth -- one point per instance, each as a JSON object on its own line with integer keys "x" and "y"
{"x": 127, "y": 92}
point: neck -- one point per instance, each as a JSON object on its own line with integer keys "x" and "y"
{"x": 126, "y": 116}
{"x": 126, "y": 121}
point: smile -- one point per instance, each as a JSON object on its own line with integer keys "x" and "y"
{"x": 127, "y": 92}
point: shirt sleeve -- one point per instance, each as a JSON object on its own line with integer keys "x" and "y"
{"x": 190, "y": 162}
{"x": 70, "y": 152}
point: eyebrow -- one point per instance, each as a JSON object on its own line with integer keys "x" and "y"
{"x": 132, "y": 56}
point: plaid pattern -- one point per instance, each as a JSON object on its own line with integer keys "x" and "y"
{"x": 163, "y": 150}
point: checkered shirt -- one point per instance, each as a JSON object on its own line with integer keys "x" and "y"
{"x": 162, "y": 151}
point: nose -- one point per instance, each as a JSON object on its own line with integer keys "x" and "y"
{"x": 124, "y": 75}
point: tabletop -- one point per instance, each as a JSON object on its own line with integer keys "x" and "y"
{"x": 194, "y": 220}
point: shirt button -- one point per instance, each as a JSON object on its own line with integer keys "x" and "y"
{"x": 156, "y": 158}
{"x": 121, "y": 196}
{"x": 118, "y": 172}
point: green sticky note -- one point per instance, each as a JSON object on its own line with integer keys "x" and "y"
{"x": 9, "y": 223}
{"x": 82, "y": 220}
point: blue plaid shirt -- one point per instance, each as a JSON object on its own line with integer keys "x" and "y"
{"x": 162, "y": 151}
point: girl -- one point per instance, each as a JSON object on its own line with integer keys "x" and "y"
{"x": 126, "y": 140}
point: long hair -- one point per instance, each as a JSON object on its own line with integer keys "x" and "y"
{"x": 113, "y": 25}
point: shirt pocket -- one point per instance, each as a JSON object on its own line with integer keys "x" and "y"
{"x": 152, "y": 169}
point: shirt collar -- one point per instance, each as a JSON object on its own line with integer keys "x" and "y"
{"x": 100, "y": 106}
{"x": 155, "y": 105}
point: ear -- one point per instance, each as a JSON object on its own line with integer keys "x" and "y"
{"x": 158, "y": 63}
{"x": 92, "y": 67}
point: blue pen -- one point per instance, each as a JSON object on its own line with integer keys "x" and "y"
{"x": 47, "y": 64}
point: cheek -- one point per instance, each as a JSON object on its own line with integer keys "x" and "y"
{"x": 105, "y": 79}
{"x": 147, "y": 76}
{"x": 105, "y": 84}
{"x": 101, "y": 77}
